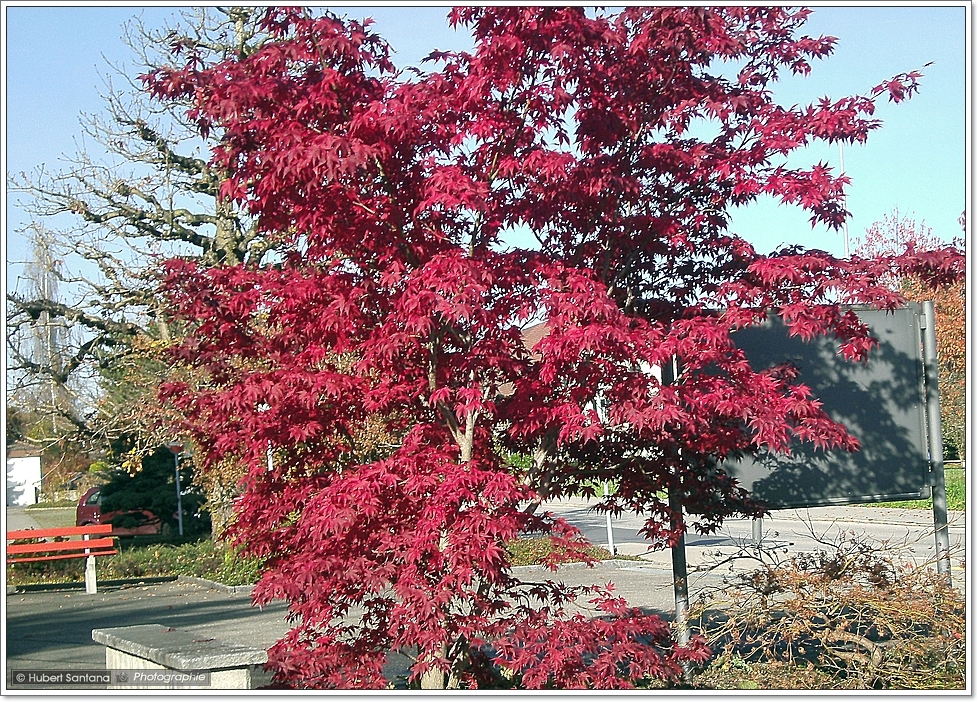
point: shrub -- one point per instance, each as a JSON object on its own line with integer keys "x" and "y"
{"x": 202, "y": 559}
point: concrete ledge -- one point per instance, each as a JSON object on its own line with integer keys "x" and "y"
{"x": 177, "y": 648}
{"x": 230, "y": 666}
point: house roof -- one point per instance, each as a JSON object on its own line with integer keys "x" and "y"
{"x": 22, "y": 450}
{"x": 533, "y": 334}
{"x": 531, "y": 337}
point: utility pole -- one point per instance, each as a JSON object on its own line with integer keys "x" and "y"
{"x": 176, "y": 448}
{"x": 43, "y": 272}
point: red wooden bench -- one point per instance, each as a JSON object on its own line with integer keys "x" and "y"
{"x": 58, "y": 544}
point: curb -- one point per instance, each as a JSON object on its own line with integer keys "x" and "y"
{"x": 154, "y": 580}
{"x": 897, "y": 516}
{"x": 211, "y": 584}
{"x": 856, "y": 514}
{"x": 31, "y": 508}
{"x": 49, "y": 587}
{"x": 617, "y": 563}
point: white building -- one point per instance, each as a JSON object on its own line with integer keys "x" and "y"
{"x": 23, "y": 475}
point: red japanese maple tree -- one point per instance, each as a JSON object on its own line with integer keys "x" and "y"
{"x": 393, "y": 198}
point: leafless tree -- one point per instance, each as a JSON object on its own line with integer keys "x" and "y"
{"x": 138, "y": 189}
{"x": 84, "y": 326}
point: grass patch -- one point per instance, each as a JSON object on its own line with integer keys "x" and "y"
{"x": 50, "y": 504}
{"x": 533, "y": 551}
{"x": 202, "y": 559}
{"x": 954, "y": 483}
{"x": 595, "y": 488}
{"x": 54, "y": 518}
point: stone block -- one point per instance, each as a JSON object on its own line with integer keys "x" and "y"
{"x": 156, "y": 647}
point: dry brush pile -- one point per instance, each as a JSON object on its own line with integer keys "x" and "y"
{"x": 853, "y": 615}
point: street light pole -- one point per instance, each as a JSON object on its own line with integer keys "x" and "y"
{"x": 176, "y": 448}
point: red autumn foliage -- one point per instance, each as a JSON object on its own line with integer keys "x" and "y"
{"x": 397, "y": 296}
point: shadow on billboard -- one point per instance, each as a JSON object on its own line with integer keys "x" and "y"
{"x": 880, "y": 402}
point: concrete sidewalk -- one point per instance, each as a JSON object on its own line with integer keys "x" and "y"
{"x": 52, "y": 630}
{"x": 20, "y": 518}
{"x": 48, "y": 630}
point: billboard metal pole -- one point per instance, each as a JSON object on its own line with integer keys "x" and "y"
{"x": 757, "y": 530}
{"x": 935, "y": 441}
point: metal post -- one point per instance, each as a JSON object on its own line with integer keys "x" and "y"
{"x": 611, "y": 536}
{"x": 757, "y": 530}
{"x": 680, "y": 583}
{"x": 176, "y": 448}
{"x": 600, "y": 411}
{"x": 176, "y": 465}
{"x": 935, "y": 441}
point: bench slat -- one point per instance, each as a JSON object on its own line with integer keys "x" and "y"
{"x": 59, "y": 531}
{"x": 61, "y": 546}
{"x": 59, "y": 557}
{"x": 40, "y": 550}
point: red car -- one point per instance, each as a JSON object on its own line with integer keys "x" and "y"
{"x": 89, "y": 511}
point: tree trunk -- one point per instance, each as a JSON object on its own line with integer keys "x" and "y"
{"x": 220, "y": 504}
{"x": 434, "y": 679}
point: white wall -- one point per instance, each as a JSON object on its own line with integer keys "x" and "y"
{"x": 23, "y": 480}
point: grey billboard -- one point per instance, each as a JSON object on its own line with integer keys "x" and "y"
{"x": 881, "y": 402}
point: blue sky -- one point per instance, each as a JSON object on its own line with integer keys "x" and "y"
{"x": 916, "y": 162}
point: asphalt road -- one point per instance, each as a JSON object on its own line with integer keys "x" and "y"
{"x": 53, "y": 629}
